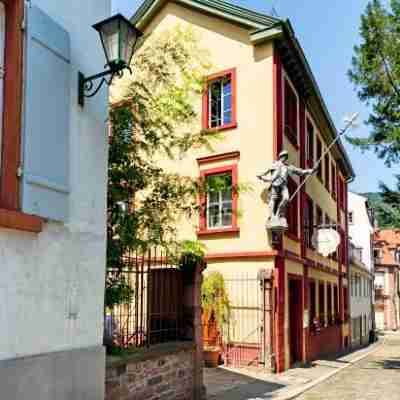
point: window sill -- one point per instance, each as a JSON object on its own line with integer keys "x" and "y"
{"x": 219, "y": 231}
{"x": 232, "y": 125}
{"x": 20, "y": 221}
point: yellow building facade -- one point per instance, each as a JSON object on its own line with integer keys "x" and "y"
{"x": 287, "y": 300}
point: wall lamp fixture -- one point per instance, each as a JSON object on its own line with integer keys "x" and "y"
{"x": 119, "y": 38}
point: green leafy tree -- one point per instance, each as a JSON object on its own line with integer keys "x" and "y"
{"x": 375, "y": 73}
{"x": 156, "y": 120}
{"x": 386, "y": 205}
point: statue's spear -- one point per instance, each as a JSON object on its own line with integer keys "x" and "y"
{"x": 350, "y": 122}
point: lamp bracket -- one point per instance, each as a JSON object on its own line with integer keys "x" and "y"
{"x": 87, "y": 88}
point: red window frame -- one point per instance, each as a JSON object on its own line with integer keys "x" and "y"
{"x": 310, "y": 142}
{"x": 335, "y": 301}
{"x": 10, "y": 214}
{"x": 203, "y": 229}
{"x": 321, "y": 302}
{"x": 327, "y": 168}
{"x": 333, "y": 180}
{"x": 292, "y": 212}
{"x": 309, "y": 222}
{"x": 329, "y": 305}
{"x": 205, "y": 110}
{"x": 312, "y": 287}
{"x": 318, "y": 156}
{"x": 341, "y": 193}
{"x": 291, "y": 112}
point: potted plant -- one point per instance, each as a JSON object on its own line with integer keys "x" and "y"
{"x": 216, "y": 313}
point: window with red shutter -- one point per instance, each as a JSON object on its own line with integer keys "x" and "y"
{"x": 333, "y": 181}
{"x": 313, "y": 314}
{"x": 292, "y": 212}
{"x": 321, "y": 301}
{"x": 309, "y": 222}
{"x": 310, "y": 143}
{"x": 329, "y": 294}
{"x": 319, "y": 155}
{"x": 327, "y": 173}
{"x": 291, "y": 110}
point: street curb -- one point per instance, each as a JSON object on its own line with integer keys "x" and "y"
{"x": 296, "y": 392}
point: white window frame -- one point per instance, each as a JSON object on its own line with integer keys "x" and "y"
{"x": 220, "y": 80}
{"x": 220, "y": 203}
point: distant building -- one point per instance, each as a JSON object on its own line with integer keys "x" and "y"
{"x": 361, "y": 268}
{"x": 387, "y": 272}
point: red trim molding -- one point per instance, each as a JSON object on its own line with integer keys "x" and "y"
{"x": 321, "y": 267}
{"x": 203, "y": 201}
{"x": 220, "y": 231}
{"x": 241, "y": 255}
{"x": 218, "y": 157}
{"x": 277, "y": 103}
{"x": 20, "y": 221}
{"x": 13, "y": 80}
{"x": 280, "y": 288}
{"x": 10, "y": 216}
{"x": 204, "y": 119}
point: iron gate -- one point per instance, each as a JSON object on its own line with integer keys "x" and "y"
{"x": 243, "y": 336}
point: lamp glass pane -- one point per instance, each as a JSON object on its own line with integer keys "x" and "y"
{"x": 110, "y": 36}
{"x": 128, "y": 41}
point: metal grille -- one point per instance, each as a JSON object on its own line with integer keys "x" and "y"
{"x": 242, "y": 337}
{"x": 154, "y": 313}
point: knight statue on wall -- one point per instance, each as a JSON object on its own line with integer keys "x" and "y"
{"x": 277, "y": 176}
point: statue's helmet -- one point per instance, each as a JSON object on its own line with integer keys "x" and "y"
{"x": 284, "y": 154}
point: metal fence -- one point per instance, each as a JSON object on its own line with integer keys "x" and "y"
{"x": 242, "y": 338}
{"x": 154, "y": 312}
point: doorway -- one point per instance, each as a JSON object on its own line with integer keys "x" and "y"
{"x": 295, "y": 320}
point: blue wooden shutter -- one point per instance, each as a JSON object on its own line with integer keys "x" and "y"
{"x": 45, "y": 152}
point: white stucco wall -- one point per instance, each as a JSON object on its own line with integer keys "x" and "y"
{"x": 52, "y": 284}
{"x": 360, "y": 230}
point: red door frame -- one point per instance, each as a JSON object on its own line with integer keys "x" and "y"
{"x": 297, "y": 315}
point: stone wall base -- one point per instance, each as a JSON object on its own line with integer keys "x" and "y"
{"x": 162, "y": 372}
{"x": 75, "y": 374}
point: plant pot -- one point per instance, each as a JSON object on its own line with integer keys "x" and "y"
{"x": 212, "y": 356}
{"x": 211, "y": 333}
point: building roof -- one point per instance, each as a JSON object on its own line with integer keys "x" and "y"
{"x": 220, "y": 8}
{"x": 262, "y": 28}
{"x": 387, "y": 240}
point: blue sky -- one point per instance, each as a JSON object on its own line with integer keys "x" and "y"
{"x": 327, "y": 31}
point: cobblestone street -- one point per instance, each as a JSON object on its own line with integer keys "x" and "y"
{"x": 366, "y": 377}
{"x": 375, "y": 377}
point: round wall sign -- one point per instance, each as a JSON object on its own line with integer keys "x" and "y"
{"x": 326, "y": 241}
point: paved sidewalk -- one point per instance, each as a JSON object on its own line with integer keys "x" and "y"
{"x": 253, "y": 384}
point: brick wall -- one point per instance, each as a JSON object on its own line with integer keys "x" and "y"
{"x": 164, "y": 372}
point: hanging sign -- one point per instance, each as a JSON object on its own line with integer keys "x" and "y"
{"x": 326, "y": 241}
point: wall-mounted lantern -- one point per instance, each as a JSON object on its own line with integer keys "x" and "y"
{"x": 119, "y": 38}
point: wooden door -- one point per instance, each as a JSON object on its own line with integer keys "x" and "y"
{"x": 295, "y": 320}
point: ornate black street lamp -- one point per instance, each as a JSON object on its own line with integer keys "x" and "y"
{"x": 119, "y": 38}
